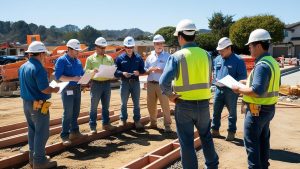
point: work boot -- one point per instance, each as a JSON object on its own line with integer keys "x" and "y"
{"x": 48, "y": 164}
{"x": 230, "y": 136}
{"x": 122, "y": 123}
{"x": 75, "y": 135}
{"x": 93, "y": 131}
{"x": 168, "y": 129}
{"x": 151, "y": 126}
{"x": 31, "y": 160}
{"x": 109, "y": 127}
{"x": 138, "y": 125}
{"x": 215, "y": 133}
{"x": 66, "y": 141}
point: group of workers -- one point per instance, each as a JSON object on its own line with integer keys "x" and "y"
{"x": 183, "y": 78}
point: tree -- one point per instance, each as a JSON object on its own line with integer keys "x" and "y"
{"x": 207, "y": 41}
{"x": 241, "y": 29}
{"x": 220, "y": 24}
{"x": 167, "y": 32}
{"x": 88, "y": 35}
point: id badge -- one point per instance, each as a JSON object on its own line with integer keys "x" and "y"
{"x": 69, "y": 92}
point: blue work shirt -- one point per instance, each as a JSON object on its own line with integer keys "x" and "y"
{"x": 154, "y": 60}
{"x": 33, "y": 80}
{"x": 126, "y": 64}
{"x": 234, "y": 66}
{"x": 171, "y": 71}
{"x": 68, "y": 66}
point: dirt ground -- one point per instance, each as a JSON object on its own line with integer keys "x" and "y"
{"x": 120, "y": 149}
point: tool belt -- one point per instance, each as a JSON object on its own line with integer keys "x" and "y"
{"x": 254, "y": 109}
{"x": 41, "y": 105}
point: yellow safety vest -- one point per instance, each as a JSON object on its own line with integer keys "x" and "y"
{"x": 194, "y": 74}
{"x": 271, "y": 95}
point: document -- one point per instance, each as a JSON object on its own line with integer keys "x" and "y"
{"x": 106, "y": 71}
{"x": 86, "y": 78}
{"x": 61, "y": 85}
{"x": 229, "y": 82}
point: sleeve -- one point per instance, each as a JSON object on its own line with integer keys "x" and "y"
{"x": 170, "y": 72}
{"x": 42, "y": 79}
{"x": 118, "y": 72}
{"x": 261, "y": 79}
{"x": 147, "y": 65}
{"x": 59, "y": 68}
{"x": 142, "y": 66}
{"x": 241, "y": 70}
{"x": 88, "y": 65}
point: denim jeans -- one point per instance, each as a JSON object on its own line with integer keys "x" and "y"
{"x": 71, "y": 102}
{"x": 187, "y": 115}
{"x": 133, "y": 88}
{"x": 257, "y": 137}
{"x": 38, "y": 132}
{"x": 99, "y": 90}
{"x": 224, "y": 96}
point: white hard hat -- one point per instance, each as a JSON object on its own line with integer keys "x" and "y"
{"x": 186, "y": 26}
{"x": 129, "y": 41}
{"x": 100, "y": 42}
{"x": 224, "y": 43}
{"x": 74, "y": 44}
{"x": 259, "y": 35}
{"x": 36, "y": 47}
{"x": 158, "y": 38}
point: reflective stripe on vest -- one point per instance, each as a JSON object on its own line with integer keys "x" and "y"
{"x": 271, "y": 95}
{"x": 183, "y": 86}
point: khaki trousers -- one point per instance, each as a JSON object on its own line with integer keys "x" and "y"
{"x": 153, "y": 94}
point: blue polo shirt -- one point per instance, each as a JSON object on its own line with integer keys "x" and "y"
{"x": 33, "y": 80}
{"x": 234, "y": 66}
{"x": 126, "y": 64}
{"x": 68, "y": 66}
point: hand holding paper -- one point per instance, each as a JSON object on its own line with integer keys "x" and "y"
{"x": 229, "y": 82}
{"x": 106, "y": 71}
{"x": 61, "y": 85}
{"x": 86, "y": 78}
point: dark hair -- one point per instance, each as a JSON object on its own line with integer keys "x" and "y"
{"x": 264, "y": 44}
{"x": 34, "y": 54}
{"x": 188, "y": 38}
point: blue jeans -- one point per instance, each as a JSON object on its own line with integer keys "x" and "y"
{"x": 133, "y": 88}
{"x": 224, "y": 96}
{"x": 38, "y": 132}
{"x": 99, "y": 90}
{"x": 257, "y": 137}
{"x": 187, "y": 115}
{"x": 71, "y": 104}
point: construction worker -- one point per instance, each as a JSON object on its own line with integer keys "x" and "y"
{"x": 227, "y": 63}
{"x": 100, "y": 87}
{"x": 35, "y": 91}
{"x": 129, "y": 66}
{"x": 68, "y": 68}
{"x": 260, "y": 96}
{"x": 190, "y": 68}
{"x": 154, "y": 66}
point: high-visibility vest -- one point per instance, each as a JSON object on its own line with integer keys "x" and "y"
{"x": 271, "y": 95}
{"x": 194, "y": 74}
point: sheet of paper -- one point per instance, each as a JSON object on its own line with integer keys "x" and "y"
{"x": 106, "y": 71}
{"x": 61, "y": 85}
{"x": 85, "y": 78}
{"x": 230, "y": 81}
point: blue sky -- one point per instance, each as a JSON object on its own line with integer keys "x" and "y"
{"x": 146, "y": 15}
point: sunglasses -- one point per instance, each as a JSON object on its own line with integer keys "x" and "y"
{"x": 101, "y": 47}
{"x": 128, "y": 47}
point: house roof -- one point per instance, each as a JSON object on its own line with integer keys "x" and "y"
{"x": 289, "y": 26}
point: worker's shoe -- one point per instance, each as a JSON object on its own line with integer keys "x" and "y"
{"x": 215, "y": 133}
{"x": 168, "y": 129}
{"x": 93, "y": 131}
{"x": 31, "y": 160}
{"x": 75, "y": 135}
{"x": 151, "y": 126}
{"x": 230, "y": 136}
{"x": 109, "y": 127}
{"x": 122, "y": 123}
{"x": 48, "y": 164}
{"x": 66, "y": 141}
{"x": 138, "y": 125}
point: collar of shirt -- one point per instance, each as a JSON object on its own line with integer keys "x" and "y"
{"x": 161, "y": 54}
{"x": 69, "y": 57}
{"x": 189, "y": 45}
{"x": 261, "y": 56}
{"x": 35, "y": 61}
